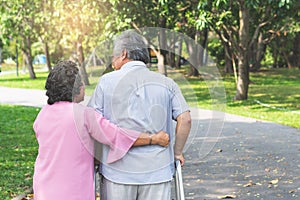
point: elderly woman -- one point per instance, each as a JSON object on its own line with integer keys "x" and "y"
{"x": 65, "y": 131}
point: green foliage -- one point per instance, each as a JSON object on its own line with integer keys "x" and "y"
{"x": 18, "y": 149}
{"x": 78, "y": 18}
{"x": 268, "y": 59}
{"x": 9, "y": 50}
{"x": 216, "y": 51}
{"x": 61, "y": 23}
{"x": 17, "y": 18}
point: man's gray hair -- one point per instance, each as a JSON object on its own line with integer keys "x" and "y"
{"x": 134, "y": 45}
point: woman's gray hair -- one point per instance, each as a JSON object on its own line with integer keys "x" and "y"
{"x": 133, "y": 44}
{"x": 63, "y": 82}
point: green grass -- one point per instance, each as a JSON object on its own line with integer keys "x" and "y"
{"x": 13, "y": 67}
{"x": 274, "y": 95}
{"x": 18, "y": 149}
{"x": 23, "y": 81}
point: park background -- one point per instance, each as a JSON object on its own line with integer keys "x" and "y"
{"x": 254, "y": 45}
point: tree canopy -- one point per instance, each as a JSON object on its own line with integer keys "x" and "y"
{"x": 244, "y": 33}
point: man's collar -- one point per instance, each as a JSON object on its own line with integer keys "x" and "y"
{"x": 132, "y": 64}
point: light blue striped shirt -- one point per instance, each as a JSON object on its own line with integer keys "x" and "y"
{"x": 136, "y": 98}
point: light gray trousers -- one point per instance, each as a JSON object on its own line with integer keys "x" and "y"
{"x": 115, "y": 191}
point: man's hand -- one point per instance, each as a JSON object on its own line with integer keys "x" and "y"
{"x": 180, "y": 158}
{"x": 161, "y": 138}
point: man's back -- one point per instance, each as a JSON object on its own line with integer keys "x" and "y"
{"x": 139, "y": 99}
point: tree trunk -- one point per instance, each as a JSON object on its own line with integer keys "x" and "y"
{"x": 257, "y": 53}
{"x": 291, "y": 55}
{"x": 80, "y": 57}
{"x": 243, "y": 81}
{"x": 243, "y": 63}
{"x": 161, "y": 57}
{"x": 29, "y": 64}
{"x": 193, "y": 71}
{"x": 275, "y": 55}
{"x": 287, "y": 60}
{"x": 203, "y": 50}
{"x": 296, "y": 50}
{"x": 46, "y": 51}
{"x": 196, "y": 54}
{"x": 27, "y": 51}
{"x": 170, "y": 50}
{"x": 161, "y": 63}
{"x": 178, "y": 55}
{"x": 228, "y": 60}
{"x": 260, "y": 51}
{"x": 171, "y": 59}
{"x": 194, "y": 59}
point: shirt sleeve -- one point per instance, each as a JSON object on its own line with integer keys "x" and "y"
{"x": 119, "y": 140}
{"x": 97, "y": 99}
{"x": 179, "y": 104}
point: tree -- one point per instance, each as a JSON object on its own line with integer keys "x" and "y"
{"x": 134, "y": 14}
{"x": 79, "y": 22}
{"x": 46, "y": 23}
{"x": 192, "y": 26}
{"x": 243, "y": 34}
{"x": 18, "y": 22}
{"x": 286, "y": 37}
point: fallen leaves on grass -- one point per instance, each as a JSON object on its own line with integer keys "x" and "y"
{"x": 28, "y": 197}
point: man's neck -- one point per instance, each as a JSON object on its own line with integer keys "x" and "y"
{"x": 124, "y": 62}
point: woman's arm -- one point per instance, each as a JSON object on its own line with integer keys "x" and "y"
{"x": 120, "y": 140}
{"x": 111, "y": 133}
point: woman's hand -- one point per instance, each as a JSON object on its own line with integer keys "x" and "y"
{"x": 160, "y": 138}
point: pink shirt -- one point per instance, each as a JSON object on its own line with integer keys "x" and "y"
{"x": 64, "y": 167}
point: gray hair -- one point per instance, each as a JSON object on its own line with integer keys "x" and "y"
{"x": 134, "y": 45}
{"x": 63, "y": 82}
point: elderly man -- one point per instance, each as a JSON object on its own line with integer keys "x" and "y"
{"x": 134, "y": 97}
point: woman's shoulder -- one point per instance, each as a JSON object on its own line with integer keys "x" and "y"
{"x": 80, "y": 109}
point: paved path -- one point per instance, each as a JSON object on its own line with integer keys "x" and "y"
{"x": 227, "y": 156}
